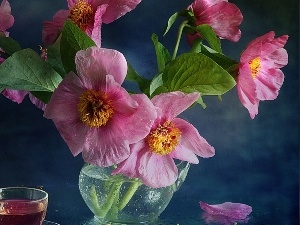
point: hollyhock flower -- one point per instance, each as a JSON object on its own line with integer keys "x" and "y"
{"x": 227, "y": 209}
{"x": 94, "y": 114}
{"x": 88, "y": 15}
{"x": 259, "y": 77}
{"x": 222, "y": 16}
{"x": 151, "y": 159}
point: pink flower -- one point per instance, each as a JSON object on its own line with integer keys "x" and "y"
{"x": 94, "y": 114}
{"x": 88, "y": 15}
{"x": 6, "y": 19}
{"x": 151, "y": 159}
{"x": 227, "y": 209}
{"x": 260, "y": 77}
{"x": 222, "y": 16}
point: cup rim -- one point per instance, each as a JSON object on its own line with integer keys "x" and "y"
{"x": 28, "y": 188}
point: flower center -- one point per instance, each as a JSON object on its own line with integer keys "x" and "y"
{"x": 164, "y": 138}
{"x": 255, "y": 67}
{"x": 82, "y": 14}
{"x": 94, "y": 108}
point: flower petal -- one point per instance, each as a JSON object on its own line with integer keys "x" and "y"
{"x": 14, "y": 95}
{"x": 105, "y": 152}
{"x": 6, "y": 19}
{"x": 268, "y": 84}
{"x": 229, "y": 209}
{"x": 117, "y": 8}
{"x": 174, "y": 103}
{"x": 64, "y": 100}
{"x": 96, "y": 31}
{"x": 246, "y": 88}
{"x": 74, "y": 134}
{"x": 37, "y": 102}
{"x": 274, "y": 44}
{"x": 222, "y": 220}
{"x": 129, "y": 166}
{"x": 101, "y": 62}
{"x": 157, "y": 171}
{"x": 184, "y": 154}
{"x": 51, "y": 28}
{"x": 279, "y": 58}
{"x": 224, "y": 18}
{"x": 254, "y": 48}
{"x": 145, "y": 114}
{"x": 191, "y": 139}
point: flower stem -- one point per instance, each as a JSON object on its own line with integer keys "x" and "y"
{"x": 101, "y": 211}
{"x": 182, "y": 25}
{"x": 110, "y": 198}
{"x": 94, "y": 200}
{"x": 128, "y": 195}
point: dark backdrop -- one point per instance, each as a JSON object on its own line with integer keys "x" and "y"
{"x": 256, "y": 162}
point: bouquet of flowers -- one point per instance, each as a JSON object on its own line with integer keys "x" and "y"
{"x": 78, "y": 83}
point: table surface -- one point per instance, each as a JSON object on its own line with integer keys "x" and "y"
{"x": 66, "y": 207}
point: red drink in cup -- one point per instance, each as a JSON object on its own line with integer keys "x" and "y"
{"x": 22, "y": 206}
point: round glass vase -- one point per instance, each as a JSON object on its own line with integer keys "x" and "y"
{"x": 119, "y": 199}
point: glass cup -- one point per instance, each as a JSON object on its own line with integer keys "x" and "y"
{"x": 22, "y": 206}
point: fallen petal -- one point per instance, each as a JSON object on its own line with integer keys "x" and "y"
{"x": 222, "y": 220}
{"x": 229, "y": 209}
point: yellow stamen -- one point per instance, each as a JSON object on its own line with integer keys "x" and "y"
{"x": 82, "y": 14}
{"x": 94, "y": 108}
{"x": 164, "y": 139}
{"x": 255, "y": 67}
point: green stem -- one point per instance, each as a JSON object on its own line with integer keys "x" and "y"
{"x": 101, "y": 211}
{"x": 130, "y": 192}
{"x": 110, "y": 198}
{"x": 182, "y": 25}
{"x": 94, "y": 200}
{"x": 113, "y": 214}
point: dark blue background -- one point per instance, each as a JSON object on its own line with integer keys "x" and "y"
{"x": 256, "y": 161}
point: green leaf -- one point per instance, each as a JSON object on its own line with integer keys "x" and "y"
{"x": 44, "y": 96}
{"x": 162, "y": 54}
{"x": 142, "y": 82}
{"x": 54, "y": 58}
{"x": 159, "y": 90}
{"x": 192, "y": 72}
{"x": 201, "y": 102}
{"x": 186, "y": 13}
{"x": 197, "y": 44}
{"x": 73, "y": 39}
{"x": 9, "y": 45}
{"x": 225, "y": 62}
{"x": 208, "y": 33}
{"x": 171, "y": 21}
{"x": 26, "y": 70}
{"x": 155, "y": 83}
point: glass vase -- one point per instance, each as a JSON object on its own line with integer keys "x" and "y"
{"x": 119, "y": 199}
